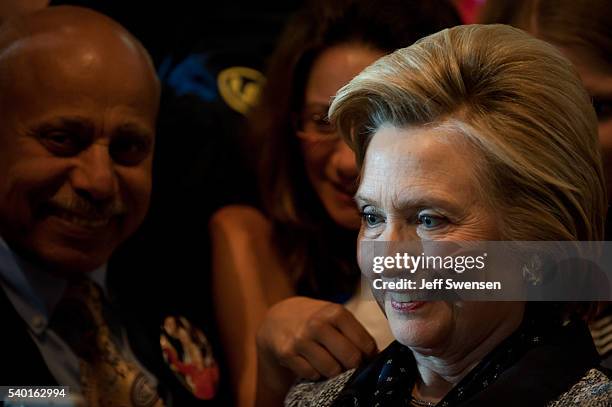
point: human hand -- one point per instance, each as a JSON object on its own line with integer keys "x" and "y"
{"x": 313, "y": 338}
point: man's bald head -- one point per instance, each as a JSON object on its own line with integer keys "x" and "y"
{"x": 73, "y": 27}
{"x": 79, "y": 97}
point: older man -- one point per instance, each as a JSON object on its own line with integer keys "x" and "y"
{"x": 79, "y": 97}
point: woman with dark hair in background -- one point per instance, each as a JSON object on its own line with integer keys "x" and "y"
{"x": 300, "y": 246}
{"x": 581, "y": 31}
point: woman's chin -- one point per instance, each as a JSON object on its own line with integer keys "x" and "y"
{"x": 417, "y": 324}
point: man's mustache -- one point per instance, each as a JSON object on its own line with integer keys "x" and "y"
{"x": 86, "y": 208}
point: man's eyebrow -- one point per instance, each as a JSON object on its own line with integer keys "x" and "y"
{"x": 133, "y": 128}
{"x": 72, "y": 123}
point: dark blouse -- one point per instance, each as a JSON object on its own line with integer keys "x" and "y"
{"x": 533, "y": 367}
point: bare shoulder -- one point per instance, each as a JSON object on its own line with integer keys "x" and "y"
{"x": 243, "y": 233}
{"x": 243, "y": 251}
{"x": 240, "y": 219}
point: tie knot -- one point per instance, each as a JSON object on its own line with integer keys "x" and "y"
{"x": 86, "y": 293}
{"x": 79, "y": 318}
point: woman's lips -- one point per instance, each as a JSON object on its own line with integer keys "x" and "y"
{"x": 407, "y": 306}
{"x": 343, "y": 195}
{"x": 404, "y": 302}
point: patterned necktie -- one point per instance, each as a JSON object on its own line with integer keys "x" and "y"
{"x": 108, "y": 379}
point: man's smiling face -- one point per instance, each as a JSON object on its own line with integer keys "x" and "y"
{"x": 76, "y": 143}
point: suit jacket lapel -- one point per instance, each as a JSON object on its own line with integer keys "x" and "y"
{"x": 22, "y": 362}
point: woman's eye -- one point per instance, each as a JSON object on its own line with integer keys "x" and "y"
{"x": 430, "y": 221}
{"x": 322, "y": 123}
{"x": 372, "y": 219}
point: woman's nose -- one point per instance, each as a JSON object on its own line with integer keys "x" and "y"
{"x": 401, "y": 247}
{"x": 399, "y": 233}
{"x": 345, "y": 163}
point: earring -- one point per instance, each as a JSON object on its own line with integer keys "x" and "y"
{"x": 532, "y": 270}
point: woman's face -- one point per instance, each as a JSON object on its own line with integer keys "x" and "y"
{"x": 330, "y": 164}
{"x": 597, "y": 79}
{"x": 420, "y": 184}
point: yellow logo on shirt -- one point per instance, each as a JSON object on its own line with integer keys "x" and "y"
{"x": 240, "y": 87}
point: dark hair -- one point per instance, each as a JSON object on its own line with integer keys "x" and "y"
{"x": 582, "y": 26}
{"x": 319, "y": 254}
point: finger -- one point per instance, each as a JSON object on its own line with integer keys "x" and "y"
{"x": 340, "y": 347}
{"x": 348, "y": 325}
{"x": 319, "y": 358}
{"x": 301, "y": 368}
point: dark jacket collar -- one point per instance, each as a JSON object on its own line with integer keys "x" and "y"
{"x": 22, "y": 362}
{"x": 532, "y": 367}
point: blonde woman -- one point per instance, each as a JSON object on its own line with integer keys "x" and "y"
{"x": 475, "y": 133}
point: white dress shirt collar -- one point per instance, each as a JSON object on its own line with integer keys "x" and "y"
{"x": 33, "y": 291}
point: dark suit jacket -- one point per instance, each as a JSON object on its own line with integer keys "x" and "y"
{"x": 22, "y": 363}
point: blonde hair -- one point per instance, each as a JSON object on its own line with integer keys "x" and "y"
{"x": 517, "y": 100}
